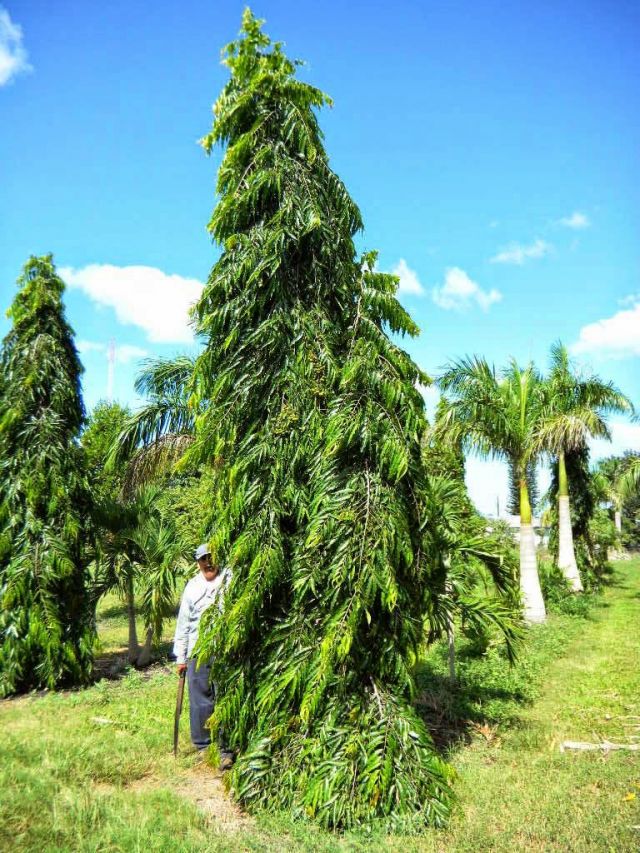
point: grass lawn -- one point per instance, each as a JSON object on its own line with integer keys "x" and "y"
{"x": 93, "y": 770}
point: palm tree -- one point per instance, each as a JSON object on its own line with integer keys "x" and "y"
{"x": 629, "y": 481}
{"x": 619, "y": 482}
{"x": 154, "y": 438}
{"x": 497, "y": 416}
{"x": 609, "y": 474}
{"x": 139, "y": 555}
{"x": 139, "y": 550}
{"x": 574, "y": 409}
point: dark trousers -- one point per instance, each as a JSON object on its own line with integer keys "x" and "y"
{"x": 202, "y": 698}
{"x": 201, "y": 702}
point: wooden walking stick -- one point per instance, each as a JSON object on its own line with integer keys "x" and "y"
{"x": 176, "y": 722}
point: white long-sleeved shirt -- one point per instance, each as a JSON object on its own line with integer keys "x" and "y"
{"x": 198, "y": 595}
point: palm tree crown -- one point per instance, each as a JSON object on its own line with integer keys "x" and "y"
{"x": 497, "y": 415}
{"x": 574, "y": 409}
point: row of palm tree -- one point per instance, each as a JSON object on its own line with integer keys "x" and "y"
{"x": 618, "y": 482}
{"x": 519, "y": 416}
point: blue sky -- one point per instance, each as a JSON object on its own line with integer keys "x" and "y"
{"x": 492, "y": 149}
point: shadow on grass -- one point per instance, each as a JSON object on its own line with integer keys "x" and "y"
{"x": 118, "y": 610}
{"x": 114, "y": 665}
{"x": 454, "y": 713}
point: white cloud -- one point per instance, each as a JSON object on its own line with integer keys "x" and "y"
{"x": 141, "y": 296}
{"x": 516, "y": 253}
{"x": 632, "y": 299}
{"x": 90, "y": 346}
{"x": 409, "y": 282}
{"x": 13, "y": 56}
{"x": 123, "y": 353}
{"x": 128, "y": 352}
{"x": 576, "y": 221}
{"x": 624, "y": 436}
{"x": 613, "y": 337}
{"x": 459, "y": 292}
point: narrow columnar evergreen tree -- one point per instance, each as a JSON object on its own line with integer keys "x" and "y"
{"x": 497, "y": 415}
{"x": 46, "y": 621}
{"x": 313, "y": 422}
{"x": 575, "y": 409}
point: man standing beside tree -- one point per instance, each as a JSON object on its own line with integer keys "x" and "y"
{"x": 203, "y": 590}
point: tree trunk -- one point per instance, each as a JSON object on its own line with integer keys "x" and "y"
{"x": 534, "y": 610}
{"x": 134, "y": 647}
{"x": 144, "y": 658}
{"x": 566, "y": 551}
{"x": 618, "y": 521}
{"x": 448, "y": 588}
{"x": 452, "y": 651}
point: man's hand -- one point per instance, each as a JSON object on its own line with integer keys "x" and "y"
{"x": 181, "y": 668}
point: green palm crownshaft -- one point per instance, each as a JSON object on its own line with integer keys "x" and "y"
{"x": 46, "y": 626}
{"x": 314, "y": 423}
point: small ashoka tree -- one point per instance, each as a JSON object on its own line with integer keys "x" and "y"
{"x": 313, "y": 424}
{"x": 46, "y": 621}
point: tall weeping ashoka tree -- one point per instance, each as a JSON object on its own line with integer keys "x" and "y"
{"x": 46, "y": 632}
{"x": 313, "y": 423}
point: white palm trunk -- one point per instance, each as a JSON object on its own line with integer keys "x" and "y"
{"x": 566, "y": 551}
{"x": 618, "y": 521}
{"x": 534, "y": 609}
{"x": 144, "y": 658}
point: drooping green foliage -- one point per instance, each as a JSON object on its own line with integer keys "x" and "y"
{"x": 443, "y": 457}
{"x": 46, "y": 633}
{"x": 313, "y": 422}
{"x": 475, "y": 572}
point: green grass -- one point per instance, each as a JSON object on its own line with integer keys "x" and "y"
{"x": 113, "y": 635}
{"x": 92, "y": 770}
